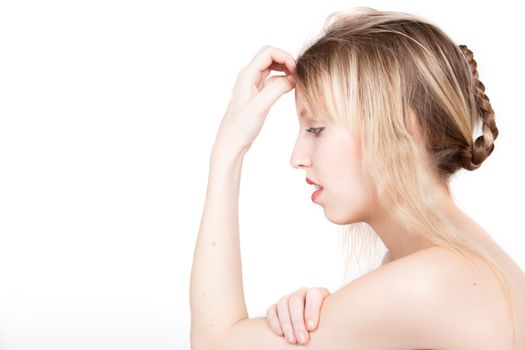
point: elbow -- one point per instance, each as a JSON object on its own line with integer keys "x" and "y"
{"x": 198, "y": 342}
{"x": 196, "y": 345}
{"x": 201, "y": 345}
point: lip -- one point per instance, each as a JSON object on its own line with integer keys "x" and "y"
{"x": 310, "y": 182}
{"x": 316, "y": 193}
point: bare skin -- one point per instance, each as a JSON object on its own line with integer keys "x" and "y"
{"x": 333, "y": 160}
{"x": 298, "y": 313}
{"x": 443, "y": 292}
{"x": 306, "y": 304}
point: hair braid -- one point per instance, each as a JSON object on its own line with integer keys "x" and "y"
{"x": 478, "y": 151}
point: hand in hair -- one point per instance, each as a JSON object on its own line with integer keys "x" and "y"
{"x": 252, "y": 97}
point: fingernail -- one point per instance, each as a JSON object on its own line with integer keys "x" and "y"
{"x": 290, "y": 337}
{"x": 280, "y": 332}
{"x": 310, "y": 324}
{"x": 302, "y": 337}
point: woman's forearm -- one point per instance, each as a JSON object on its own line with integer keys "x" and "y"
{"x": 216, "y": 288}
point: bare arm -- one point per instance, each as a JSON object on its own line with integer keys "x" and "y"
{"x": 388, "y": 308}
{"x": 216, "y": 288}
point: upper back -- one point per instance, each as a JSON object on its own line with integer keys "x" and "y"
{"x": 495, "y": 315}
{"x": 469, "y": 306}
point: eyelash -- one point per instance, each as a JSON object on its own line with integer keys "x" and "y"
{"x": 315, "y": 133}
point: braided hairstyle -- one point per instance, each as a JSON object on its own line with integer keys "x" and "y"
{"x": 370, "y": 70}
{"x": 473, "y": 155}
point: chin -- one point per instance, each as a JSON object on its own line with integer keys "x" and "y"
{"x": 343, "y": 217}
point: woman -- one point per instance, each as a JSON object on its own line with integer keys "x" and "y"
{"x": 387, "y": 104}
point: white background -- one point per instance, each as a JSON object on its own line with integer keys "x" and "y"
{"x": 108, "y": 110}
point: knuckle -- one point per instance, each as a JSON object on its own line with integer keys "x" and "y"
{"x": 314, "y": 293}
{"x": 296, "y": 299}
{"x": 241, "y": 71}
{"x": 322, "y": 289}
{"x": 325, "y": 290}
{"x": 283, "y": 301}
{"x": 263, "y": 49}
{"x": 317, "y": 292}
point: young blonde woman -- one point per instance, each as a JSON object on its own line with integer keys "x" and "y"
{"x": 387, "y": 105}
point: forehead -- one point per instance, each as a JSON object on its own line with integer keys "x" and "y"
{"x": 303, "y": 112}
{"x": 299, "y": 102}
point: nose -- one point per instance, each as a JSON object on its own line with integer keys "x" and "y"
{"x": 299, "y": 159}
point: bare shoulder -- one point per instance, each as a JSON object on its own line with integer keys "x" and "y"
{"x": 451, "y": 274}
{"x": 455, "y": 289}
{"x": 416, "y": 302}
{"x": 409, "y": 303}
{"x": 399, "y": 300}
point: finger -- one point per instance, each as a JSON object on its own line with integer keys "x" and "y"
{"x": 265, "y": 74}
{"x": 281, "y": 68}
{"x": 314, "y": 301}
{"x": 284, "y": 319}
{"x": 271, "y": 316}
{"x": 296, "y": 306}
{"x": 264, "y": 59}
{"x": 275, "y": 67}
{"x": 269, "y": 81}
{"x": 271, "y": 92}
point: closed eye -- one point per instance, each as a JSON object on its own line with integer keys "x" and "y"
{"x": 315, "y": 131}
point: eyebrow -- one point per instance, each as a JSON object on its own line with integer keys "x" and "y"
{"x": 303, "y": 112}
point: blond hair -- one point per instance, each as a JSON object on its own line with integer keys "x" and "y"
{"x": 365, "y": 71}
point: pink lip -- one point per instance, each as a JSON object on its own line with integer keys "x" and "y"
{"x": 310, "y": 182}
{"x": 316, "y": 194}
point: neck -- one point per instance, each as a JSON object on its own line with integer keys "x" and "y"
{"x": 400, "y": 244}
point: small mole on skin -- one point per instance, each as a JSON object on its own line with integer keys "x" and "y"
{"x": 211, "y": 325}
{"x": 213, "y": 244}
{"x": 202, "y": 295}
{"x": 474, "y": 283}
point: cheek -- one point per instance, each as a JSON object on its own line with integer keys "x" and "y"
{"x": 349, "y": 193}
{"x": 343, "y": 158}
